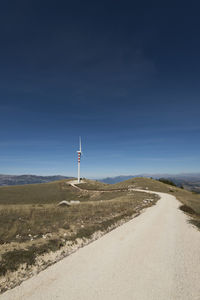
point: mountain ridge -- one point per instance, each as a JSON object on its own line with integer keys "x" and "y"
{"x": 28, "y": 179}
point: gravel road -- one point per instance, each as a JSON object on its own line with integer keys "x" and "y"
{"x": 153, "y": 257}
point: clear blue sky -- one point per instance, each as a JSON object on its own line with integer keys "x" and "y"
{"x": 124, "y": 75}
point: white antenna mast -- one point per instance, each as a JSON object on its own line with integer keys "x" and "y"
{"x": 79, "y": 159}
{"x": 80, "y": 143}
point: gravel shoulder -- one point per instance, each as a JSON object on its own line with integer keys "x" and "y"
{"x": 154, "y": 256}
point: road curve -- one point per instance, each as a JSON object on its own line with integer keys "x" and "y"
{"x": 152, "y": 257}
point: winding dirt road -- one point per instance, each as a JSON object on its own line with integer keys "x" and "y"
{"x": 153, "y": 257}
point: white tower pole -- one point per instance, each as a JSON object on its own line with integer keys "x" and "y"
{"x": 78, "y": 171}
{"x": 79, "y": 160}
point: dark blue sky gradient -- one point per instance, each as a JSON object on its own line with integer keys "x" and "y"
{"x": 124, "y": 75}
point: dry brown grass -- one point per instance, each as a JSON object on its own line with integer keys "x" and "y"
{"x": 188, "y": 198}
{"x": 28, "y": 230}
{"x": 22, "y": 222}
{"x": 138, "y": 183}
{"x": 31, "y": 223}
{"x": 191, "y": 206}
{"x": 45, "y": 193}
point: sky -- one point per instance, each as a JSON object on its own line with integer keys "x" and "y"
{"x": 123, "y": 75}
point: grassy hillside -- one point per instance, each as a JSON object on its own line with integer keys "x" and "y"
{"x": 32, "y": 224}
{"x": 188, "y": 198}
{"x": 54, "y": 192}
{"x": 138, "y": 183}
{"x": 44, "y": 193}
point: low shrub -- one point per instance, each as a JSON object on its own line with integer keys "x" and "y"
{"x": 167, "y": 181}
{"x": 187, "y": 209}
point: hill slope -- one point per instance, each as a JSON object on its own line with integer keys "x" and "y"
{"x": 190, "y": 181}
{"x": 154, "y": 256}
{"x": 42, "y": 193}
{"x": 31, "y": 223}
{"x": 188, "y": 198}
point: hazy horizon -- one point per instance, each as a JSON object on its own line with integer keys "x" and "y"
{"x": 109, "y": 176}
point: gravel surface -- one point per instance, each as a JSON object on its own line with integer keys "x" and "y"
{"x": 153, "y": 257}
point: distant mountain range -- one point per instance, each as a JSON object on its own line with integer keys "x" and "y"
{"x": 28, "y": 179}
{"x": 190, "y": 181}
